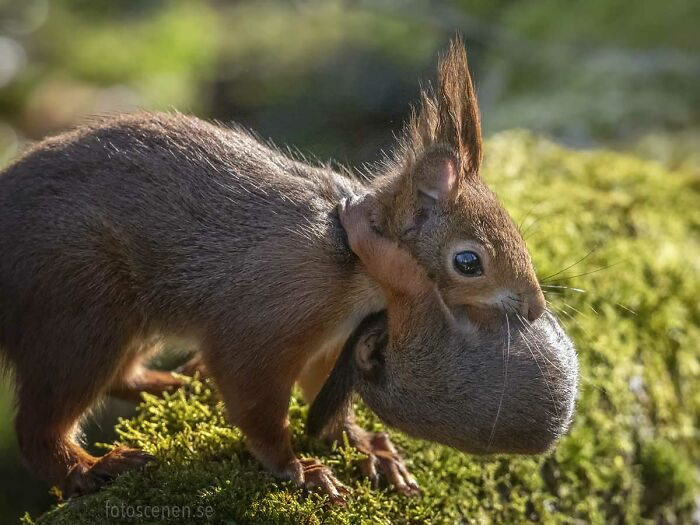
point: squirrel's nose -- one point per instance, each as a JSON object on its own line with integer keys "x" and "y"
{"x": 534, "y": 306}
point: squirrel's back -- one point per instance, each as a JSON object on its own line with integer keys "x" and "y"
{"x": 163, "y": 152}
{"x": 164, "y": 213}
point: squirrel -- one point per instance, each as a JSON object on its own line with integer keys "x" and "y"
{"x": 426, "y": 372}
{"x": 128, "y": 231}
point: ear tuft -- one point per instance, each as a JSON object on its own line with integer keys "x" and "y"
{"x": 449, "y": 115}
{"x": 459, "y": 123}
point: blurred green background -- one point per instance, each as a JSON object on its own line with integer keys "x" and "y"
{"x": 336, "y": 79}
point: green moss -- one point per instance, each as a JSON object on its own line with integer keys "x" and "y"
{"x": 632, "y": 451}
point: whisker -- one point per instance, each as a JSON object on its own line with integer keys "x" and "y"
{"x": 579, "y": 290}
{"x": 505, "y": 383}
{"x": 575, "y": 310}
{"x": 571, "y": 265}
{"x": 552, "y": 305}
{"x": 588, "y": 273}
{"x": 537, "y": 341}
{"x": 625, "y": 308}
{"x": 527, "y": 215}
{"x": 549, "y": 292}
{"x": 508, "y": 349}
{"x": 544, "y": 377}
{"x": 558, "y": 309}
{"x": 567, "y": 314}
{"x": 570, "y": 315}
{"x": 532, "y": 224}
{"x": 533, "y": 232}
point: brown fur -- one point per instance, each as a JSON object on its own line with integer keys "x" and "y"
{"x": 141, "y": 227}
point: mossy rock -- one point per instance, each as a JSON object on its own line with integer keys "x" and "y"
{"x": 633, "y": 449}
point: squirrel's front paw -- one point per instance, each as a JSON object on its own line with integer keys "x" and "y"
{"x": 314, "y": 475}
{"x": 356, "y": 218}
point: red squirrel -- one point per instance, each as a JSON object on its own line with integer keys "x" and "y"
{"x": 138, "y": 228}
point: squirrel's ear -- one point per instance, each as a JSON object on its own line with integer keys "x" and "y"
{"x": 437, "y": 176}
{"x": 369, "y": 356}
{"x": 435, "y": 181}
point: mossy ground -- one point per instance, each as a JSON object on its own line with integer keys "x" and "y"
{"x": 633, "y": 451}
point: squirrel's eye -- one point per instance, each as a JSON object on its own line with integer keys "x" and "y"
{"x": 468, "y": 263}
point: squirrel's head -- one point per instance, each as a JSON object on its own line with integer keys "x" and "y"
{"x": 433, "y": 200}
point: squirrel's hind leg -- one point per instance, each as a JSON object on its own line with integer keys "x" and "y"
{"x": 50, "y": 403}
{"x": 142, "y": 379}
{"x": 134, "y": 377}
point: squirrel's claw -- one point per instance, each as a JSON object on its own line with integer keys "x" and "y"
{"x": 314, "y": 475}
{"x": 381, "y": 453}
{"x": 88, "y": 476}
